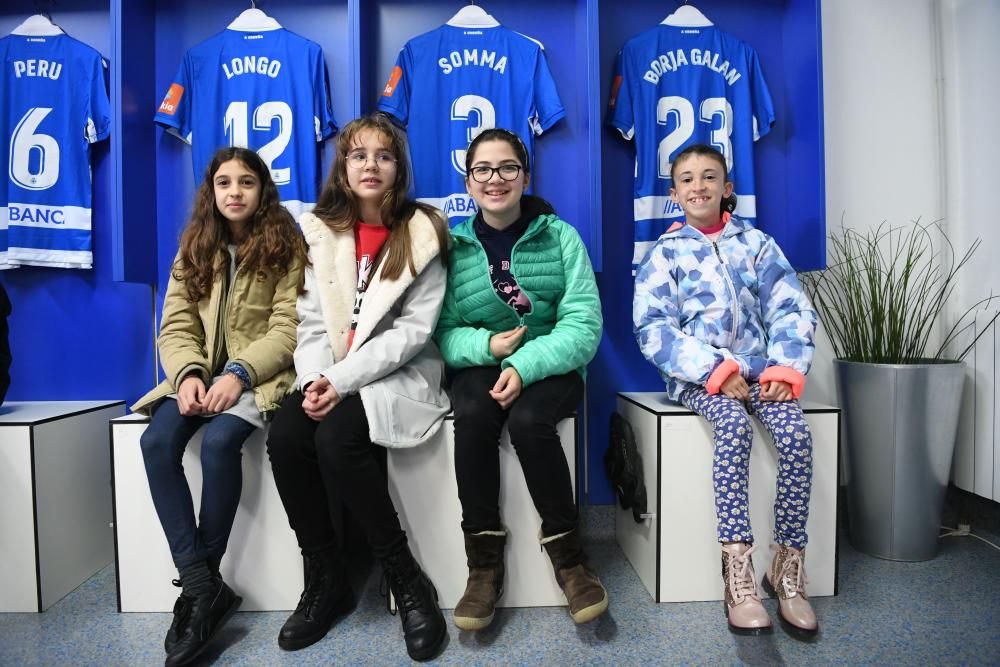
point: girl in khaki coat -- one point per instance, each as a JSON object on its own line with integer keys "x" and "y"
{"x": 226, "y": 341}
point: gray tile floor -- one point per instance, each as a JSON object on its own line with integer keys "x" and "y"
{"x": 940, "y": 612}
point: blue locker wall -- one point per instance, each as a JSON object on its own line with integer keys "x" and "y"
{"x": 78, "y": 334}
{"x": 144, "y": 184}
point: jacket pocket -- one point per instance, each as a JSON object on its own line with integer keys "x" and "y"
{"x": 406, "y": 407}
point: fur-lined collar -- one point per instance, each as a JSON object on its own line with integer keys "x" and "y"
{"x": 336, "y": 267}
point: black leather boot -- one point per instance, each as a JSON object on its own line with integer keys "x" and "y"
{"x": 327, "y": 595}
{"x": 210, "y": 609}
{"x": 424, "y": 629}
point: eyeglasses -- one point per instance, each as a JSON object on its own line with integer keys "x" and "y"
{"x": 482, "y": 173}
{"x": 359, "y": 160}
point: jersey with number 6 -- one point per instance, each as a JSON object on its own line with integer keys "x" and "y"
{"x": 677, "y": 86}
{"x": 54, "y": 104}
{"x": 452, "y": 83}
{"x": 266, "y": 90}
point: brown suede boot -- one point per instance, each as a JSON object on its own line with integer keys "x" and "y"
{"x": 484, "y": 551}
{"x": 584, "y": 592}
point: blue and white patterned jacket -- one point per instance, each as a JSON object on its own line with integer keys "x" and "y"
{"x": 704, "y": 310}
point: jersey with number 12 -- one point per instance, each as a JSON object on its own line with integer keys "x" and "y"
{"x": 54, "y": 105}
{"x": 266, "y": 90}
{"x": 452, "y": 83}
{"x": 677, "y": 86}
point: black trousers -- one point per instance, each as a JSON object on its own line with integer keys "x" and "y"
{"x": 322, "y": 467}
{"x": 531, "y": 422}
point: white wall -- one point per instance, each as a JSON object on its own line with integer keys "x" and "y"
{"x": 882, "y": 125}
{"x": 911, "y": 89}
{"x": 971, "y": 74}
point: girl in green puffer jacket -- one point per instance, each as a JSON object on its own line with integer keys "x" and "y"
{"x": 520, "y": 322}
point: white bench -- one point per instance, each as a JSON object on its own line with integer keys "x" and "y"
{"x": 55, "y": 500}
{"x": 423, "y": 488}
{"x": 675, "y": 551}
{"x": 262, "y": 563}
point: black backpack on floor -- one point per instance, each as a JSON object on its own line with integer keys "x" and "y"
{"x": 623, "y": 464}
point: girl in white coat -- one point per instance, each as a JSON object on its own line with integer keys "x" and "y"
{"x": 368, "y": 377}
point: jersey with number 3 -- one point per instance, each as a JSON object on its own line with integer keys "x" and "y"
{"x": 452, "y": 83}
{"x": 54, "y": 105}
{"x": 266, "y": 90}
{"x": 677, "y": 86}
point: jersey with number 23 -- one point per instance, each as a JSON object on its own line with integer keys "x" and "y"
{"x": 677, "y": 86}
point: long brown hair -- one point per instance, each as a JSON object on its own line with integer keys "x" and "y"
{"x": 338, "y": 206}
{"x": 273, "y": 239}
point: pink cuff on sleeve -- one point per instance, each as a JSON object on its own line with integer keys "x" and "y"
{"x": 720, "y": 375}
{"x": 784, "y": 374}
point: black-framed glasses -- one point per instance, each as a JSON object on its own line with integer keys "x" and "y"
{"x": 359, "y": 160}
{"x": 482, "y": 173}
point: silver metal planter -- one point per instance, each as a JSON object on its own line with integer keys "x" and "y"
{"x": 899, "y": 423}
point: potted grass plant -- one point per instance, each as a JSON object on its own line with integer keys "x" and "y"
{"x": 886, "y": 303}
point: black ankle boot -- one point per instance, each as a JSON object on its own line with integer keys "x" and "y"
{"x": 424, "y": 628}
{"x": 182, "y": 613}
{"x": 327, "y": 595}
{"x": 210, "y": 609}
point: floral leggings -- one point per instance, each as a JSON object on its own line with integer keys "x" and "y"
{"x": 733, "y": 434}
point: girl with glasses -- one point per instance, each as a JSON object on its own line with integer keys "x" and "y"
{"x": 517, "y": 330}
{"x": 368, "y": 377}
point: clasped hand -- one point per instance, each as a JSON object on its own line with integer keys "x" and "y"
{"x": 319, "y": 398}
{"x": 737, "y": 388}
{"x": 193, "y": 399}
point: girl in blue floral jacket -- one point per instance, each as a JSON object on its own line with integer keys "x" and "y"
{"x": 719, "y": 312}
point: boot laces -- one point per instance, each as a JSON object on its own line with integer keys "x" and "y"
{"x": 403, "y": 590}
{"x": 741, "y": 575}
{"x": 182, "y": 609}
{"x": 793, "y": 572}
{"x": 313, "y": 588}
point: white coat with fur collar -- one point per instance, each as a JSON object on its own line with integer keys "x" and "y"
{"x": 392, "y": 363}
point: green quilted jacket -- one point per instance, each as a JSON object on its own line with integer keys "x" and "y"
{"x": 551, "y": 265}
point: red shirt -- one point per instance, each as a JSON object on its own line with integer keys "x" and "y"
{"x": 368, "y": 241}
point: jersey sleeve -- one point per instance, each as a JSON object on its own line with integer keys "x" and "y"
{"x": 326, "y": 126}
{"x": 98, "y": 122}
{"x": 547, "y": 108}
{"x": 174, "y": 113}
{"x": 763, "y": 109}
{"x": 620, "y": 101}
{"x": 396, "y": 94}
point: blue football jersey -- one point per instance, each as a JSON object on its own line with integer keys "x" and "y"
{"x": 452, "y": 83}
{"x": 676, "y": 86}
{"x": 54, "y": 104}
{"x": 266, "y": 90}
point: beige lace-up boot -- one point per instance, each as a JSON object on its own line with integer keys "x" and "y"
{"x": 744, "y": 610}
{"x": 786, "y": 580}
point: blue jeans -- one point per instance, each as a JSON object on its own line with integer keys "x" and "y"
{"x": 163, "y": 444}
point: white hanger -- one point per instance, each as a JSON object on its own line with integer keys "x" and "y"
{"x": 253, "y": 20}
{"x": 472, "y": 16}
{"x": 38, "y": 25}
{"x": 687, "y": 16}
